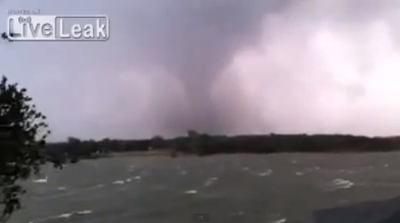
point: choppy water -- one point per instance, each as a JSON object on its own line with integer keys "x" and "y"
{"x": 280, "y": 188}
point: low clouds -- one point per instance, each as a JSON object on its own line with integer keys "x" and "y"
{"x": 226, "y": 66}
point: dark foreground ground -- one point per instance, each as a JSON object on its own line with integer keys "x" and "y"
{"x": 279, "y": 188}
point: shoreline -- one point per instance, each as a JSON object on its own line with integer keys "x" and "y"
{"x": 163, "y": 153}
{"x": 151, "y": 153}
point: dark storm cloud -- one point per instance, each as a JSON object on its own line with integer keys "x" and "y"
{"x": 221, "y": 66}
{"x": 191, "y": 40}
{"x": 195, "y": 41}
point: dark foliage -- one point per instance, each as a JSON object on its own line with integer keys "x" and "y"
{"x": 203, "y": 144}
{"x": 158, "y": 142}
{"x": 22, "y": 139}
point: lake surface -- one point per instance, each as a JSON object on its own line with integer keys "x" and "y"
{"x": 278, "y": 188}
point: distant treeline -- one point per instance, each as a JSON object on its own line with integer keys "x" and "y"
{"x": 203, "y": 144}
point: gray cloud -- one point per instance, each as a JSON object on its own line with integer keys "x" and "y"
{"x": 226, "y": 66}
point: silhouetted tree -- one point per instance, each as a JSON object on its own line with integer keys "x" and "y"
{"x": 158, "y": 142}
{"x": 192, "y": 133}
{"x": 195, "y": 142}
{"x": 105, "y": 145}
{"x": 23, "y": 133}
{"x": 74, "y": 149}
{"x": 22, "y": 139}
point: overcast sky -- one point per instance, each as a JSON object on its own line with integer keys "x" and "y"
{"x": 219, "y": 66}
